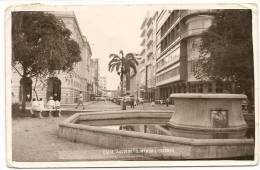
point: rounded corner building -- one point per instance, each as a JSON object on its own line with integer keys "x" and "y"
{"x": 177, "y": 48}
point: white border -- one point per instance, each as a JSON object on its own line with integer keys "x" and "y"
{"x": 121, "y": 163}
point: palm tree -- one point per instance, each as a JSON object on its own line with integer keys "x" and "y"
{"x": 122, "y": 65}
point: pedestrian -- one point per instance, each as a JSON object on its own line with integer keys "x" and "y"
{"x": 132, "y": 103}
{"x": 135, "y": 103}
{"x": 167, "y": 102}
{"x": 152, "y": 103}
{"x": 58, "y": 107}
{"x": 80, "y": 100}
{"x": 55, "y": 96}
{"x": 123, "y": 103}
{"x": 41, "y": 107}
{"x": 35, "y": 107}
{"x": 51, "y": 105}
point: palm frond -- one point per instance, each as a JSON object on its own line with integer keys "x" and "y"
{"x": 131, "y": 57}
{"x": 118, "y": 67}
{"x": 115, "y": 56}
{"x": 133, "y": 66}
{"x": 112, "y": 66}
{"x": 115, "y": 60}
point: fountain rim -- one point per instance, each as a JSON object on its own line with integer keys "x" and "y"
{"x": 70, "y": 123}
{"x": 208, "y": 95}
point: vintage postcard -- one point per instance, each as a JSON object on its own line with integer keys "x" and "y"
{"x": 131, "y": 85}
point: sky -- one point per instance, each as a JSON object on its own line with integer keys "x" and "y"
{"x": 108, "y": 30}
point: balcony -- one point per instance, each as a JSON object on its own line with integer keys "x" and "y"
{"x": 142, "y": 52}
{"x": 187, "y": 13}
{"x": 149, "y": 41}
{"x": 149, "y": 52}
{"x": 150, "y": 30}
{"x": 143, "y": 33}
{"x": 143, "y": 23}
{"x": 149, "y": 21}
{"x": 192, "y": 32}
{"x": 173, "y": 26}
{"x": 143, "y": 42}
{"x": 184, "y": 34}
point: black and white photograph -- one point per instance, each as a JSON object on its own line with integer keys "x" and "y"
{"x": 131, "y": 83}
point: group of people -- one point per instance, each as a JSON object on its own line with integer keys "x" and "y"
{"x": 136, "y": 102}
{"x": 38, "y": 107}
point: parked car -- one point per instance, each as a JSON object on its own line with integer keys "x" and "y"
{"x": 119, "y": 100}
{"x": 100, "y": 98}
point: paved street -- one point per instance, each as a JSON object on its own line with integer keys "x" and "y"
{"x": 108, "y": 105}
{"x": 148, "y": 106}
{"x": 94, "y": 105}
{"x": 36, "y": 139}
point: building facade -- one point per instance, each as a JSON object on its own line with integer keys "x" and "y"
{"x": 135, "y": 80}
{"x": 177, "y": 49}
{"x": 146, "y": 68}
{"x": 103, "y": 85}
{"x": 62, "y": 86}
{"x": 94, "y": 77}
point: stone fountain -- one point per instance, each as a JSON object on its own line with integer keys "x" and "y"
{"x": 203, "y": 126}
{"x": 208, "y": 116}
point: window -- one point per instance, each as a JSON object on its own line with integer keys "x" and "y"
{"x": 200, "y": 86}
{"x": 209, "y": 87}
{"x": 168, "y": 74}
{"x": 193, "y": 88}
{"x": 219, "y": 88}
{"x": 192, "y": 67}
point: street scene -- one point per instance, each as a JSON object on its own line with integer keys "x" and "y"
{"x": 154, "y": 84}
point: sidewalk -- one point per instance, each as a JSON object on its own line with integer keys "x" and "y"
{"x": 69, "y": 105}
{"x": 73, "y": 105}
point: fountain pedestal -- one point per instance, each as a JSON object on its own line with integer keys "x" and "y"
{"x": 208, "y": 116}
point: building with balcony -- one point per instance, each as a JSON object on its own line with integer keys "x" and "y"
{"x": 102, "y": 82}
{"x": 177, "y": 48}
{"x": 135, "y": 81}
{"x": 145, "y": 87}
{"x": 94, "y": 71}
{"x": 62, "y": 86}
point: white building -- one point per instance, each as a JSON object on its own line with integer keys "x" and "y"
{"x": 62, "y": 86}
{"x": 145, "y": 78}
{"x": 103, "y": 85}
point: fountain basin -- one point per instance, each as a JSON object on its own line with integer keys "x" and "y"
{"x": 199, "y": 115}
{"x": 87, "y": 128}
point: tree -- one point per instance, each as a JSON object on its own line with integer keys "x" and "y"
{"x": 226, "y": 51}
{"x": 122, "y": 66}
{"x": 41, "y": 45}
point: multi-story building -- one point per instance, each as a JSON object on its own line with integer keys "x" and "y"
{"x": 94, "y": 76}
{"x": 111, "y": 93}
{"x": 134, "y": 80}
{"x": 62, "y": 86}
{"x": 146, "y": 69}
{"x": 178, "y": 39}
{"x": 103, "y": 85}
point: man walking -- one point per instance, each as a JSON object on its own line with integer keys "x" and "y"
{"x": 167, "y": 102}
{"x": 80, "y": 100}
{"x": 132, "y": 100}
